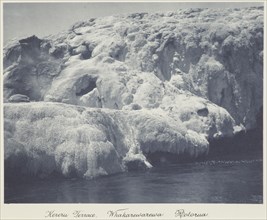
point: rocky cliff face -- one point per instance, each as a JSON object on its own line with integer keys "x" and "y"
{"x": 197, "y": 71}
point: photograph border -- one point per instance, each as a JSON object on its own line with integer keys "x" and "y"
{"x": 133, "y": 211}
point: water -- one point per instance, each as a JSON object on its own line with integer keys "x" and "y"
{"x": 214, "y": 181}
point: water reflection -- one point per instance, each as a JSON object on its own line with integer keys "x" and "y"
{"x": 206, "y": 182}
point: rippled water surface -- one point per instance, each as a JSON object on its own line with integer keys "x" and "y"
{"x": 214, "y": 181}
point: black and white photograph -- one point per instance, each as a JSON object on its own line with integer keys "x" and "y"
{"x": 133, "y": 103}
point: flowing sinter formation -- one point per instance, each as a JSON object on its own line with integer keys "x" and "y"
{"x": 102, "y": 96}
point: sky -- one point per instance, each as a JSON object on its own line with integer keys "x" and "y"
{"x": 41, "y": 19}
